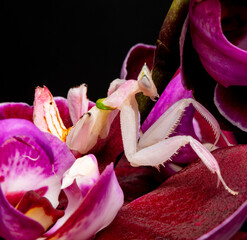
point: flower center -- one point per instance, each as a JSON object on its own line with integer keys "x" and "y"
{"x": 39, "y": 209}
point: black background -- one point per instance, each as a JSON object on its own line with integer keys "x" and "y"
{"x": 65, "y": 43}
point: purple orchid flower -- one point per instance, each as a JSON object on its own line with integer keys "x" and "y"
{"x": 214, "y": 58}
{"x": 35, "y": 166}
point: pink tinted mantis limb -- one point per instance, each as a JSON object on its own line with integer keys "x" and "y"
{"x": 154, "y": 148}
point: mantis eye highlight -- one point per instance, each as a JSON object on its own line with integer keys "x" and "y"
{"x": 145, "y": 81}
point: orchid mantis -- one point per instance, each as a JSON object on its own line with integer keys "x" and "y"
{"x": 154, "y": 147}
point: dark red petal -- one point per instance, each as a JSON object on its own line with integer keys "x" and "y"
{"x": 135, "y": 59}
{"x": 189, "y": 204}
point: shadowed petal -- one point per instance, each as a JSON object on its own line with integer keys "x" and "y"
{"x": 97, "y": 210}
{"x": 136, "y": 57}
{"x": 195, "y": 77}
{"x": 225, "y": 62}
{"x": 231, "y": 103}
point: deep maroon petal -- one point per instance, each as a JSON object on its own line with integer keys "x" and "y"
{"x": 14, "y": 225}
{"x": 97, "y": 210}
{"x": 225, "y": 62}
{"x": 231, "y": 103}
{"x": 189, "y": 205}
{"x": 135, "y": 59}
{"x": 16, "y": 110}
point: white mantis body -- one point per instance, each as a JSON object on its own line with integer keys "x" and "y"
{"x": 154, "y": 147}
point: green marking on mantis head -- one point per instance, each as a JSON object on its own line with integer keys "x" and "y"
{"x": 101, "y": 105}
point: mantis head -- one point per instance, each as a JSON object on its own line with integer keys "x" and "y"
{"x": 146, "y": 84}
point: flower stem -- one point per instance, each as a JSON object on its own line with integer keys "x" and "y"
{"x": 166, "y": 60}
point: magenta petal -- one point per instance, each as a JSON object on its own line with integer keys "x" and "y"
{"x": 14, "y": 225}
{"x": 189, "y": 205}
{"x": 16, "y": 110}
{"x": 231, "y": 103}
{"x": 20, "y": 127}
{"x": 225, "y": 62}
{"x": 135, "y": 59}
{"x": 172, "y": 93}
{"x": 97, "y": 210}
{"x": 25, "y": 166}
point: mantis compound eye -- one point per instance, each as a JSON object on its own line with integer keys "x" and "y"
{"x": 145, "y": 82}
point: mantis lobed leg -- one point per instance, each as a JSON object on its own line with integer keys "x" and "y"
{"x": 162, "y": 151}
{"x": 154, "y": 148}
{"x": 169, "y": 120}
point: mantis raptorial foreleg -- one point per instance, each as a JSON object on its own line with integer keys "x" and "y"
{"x": 167, "y": 123}
{"x": 154, "y": 147}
